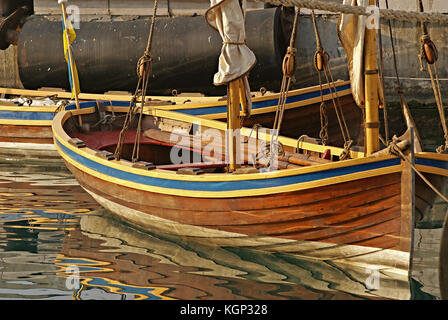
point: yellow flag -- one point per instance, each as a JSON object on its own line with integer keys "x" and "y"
{"x": 70, "y": 31}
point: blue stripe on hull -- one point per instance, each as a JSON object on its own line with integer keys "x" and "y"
{"x": 26, "y": 115}
{"x": 48, "y": 116}
{"x": 432, "y": 163}
{"x": 262, "y": 104}
{"x": 225, "y": 185}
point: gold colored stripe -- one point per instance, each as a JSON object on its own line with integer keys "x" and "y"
{"x": 88, "y": 153}
{"x": 433, "y": 156}
{"x": 432, "y": 170}
{"x": 264, "y": 110}
{"x": 40, "y": 123}
{"x": 28, "y": 109}
{"x": 92, "y": 96}
{"x": 168, "y": 175}
{"x": 267, "y": 97}
{"x": 236, "y": 193}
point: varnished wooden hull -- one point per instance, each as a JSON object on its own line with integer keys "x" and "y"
{"x": 31, "y": 143}
{"x": 354, "y": 210}
{"x": 365, "y": 212}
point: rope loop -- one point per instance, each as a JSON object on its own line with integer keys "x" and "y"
{"x": 345, "y": 155}
{"x": 323, "y": 134}
{"x": 443, "y": 148}
{"x": 144, "y": 65}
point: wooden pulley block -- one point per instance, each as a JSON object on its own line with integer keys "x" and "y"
{"x": 320, "y": 60}
{"x": 289, "y": 62}
{"x": 430, "y": 51}
{"x": 144, "y": 66}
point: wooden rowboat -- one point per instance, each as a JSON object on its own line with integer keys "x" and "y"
{"x": 195, "y": 177}
{"x": 25, "y": 131}
{"x": 358, "y": 210}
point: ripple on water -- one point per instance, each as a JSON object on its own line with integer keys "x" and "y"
{"x": 57, "y": 243}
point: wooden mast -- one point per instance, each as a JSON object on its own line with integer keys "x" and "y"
{"x": 70, "y": 57}
{"x": 371, "y": 90}
{"x": 233, "y": 122}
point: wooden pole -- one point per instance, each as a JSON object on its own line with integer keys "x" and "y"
{"x": 233, "y": 123}
{"x": 406, "y": 243}
{"x": 70, "y": 58}
{"x": 371, "y": 91}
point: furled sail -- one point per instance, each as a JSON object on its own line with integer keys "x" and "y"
{"x": 351, "y": 31}
{"x": 236, "y": 59}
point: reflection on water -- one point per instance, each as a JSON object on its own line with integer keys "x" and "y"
{"x": 57, "y": 243}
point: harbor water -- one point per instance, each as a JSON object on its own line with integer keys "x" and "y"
{"x": 57, "y": 243}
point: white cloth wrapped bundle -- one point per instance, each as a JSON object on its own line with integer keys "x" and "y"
{"x": 351, "y": 31}
{"x": 236, "y": 59}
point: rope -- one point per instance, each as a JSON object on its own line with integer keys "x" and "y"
{"x": 321, "y": 63}
{"x": 381, "y": 70}
{"x": 323, "y": 134}
{"x": 143, "y": 72}
{"x": 288, "y": 71}
{"x": 395, "y": 150}
{"x": 427, "y": 46}
{"x": 399, "y": 15}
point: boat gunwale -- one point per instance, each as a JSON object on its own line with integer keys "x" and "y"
{"x": 64, "y": 138}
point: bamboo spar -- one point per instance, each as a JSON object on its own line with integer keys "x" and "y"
{"x": 372, "y": 128}
{"x": 233, "y": 123}
{"x": 70, "y": 57}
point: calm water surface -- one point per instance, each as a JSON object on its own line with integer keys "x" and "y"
{"x": 51, "y": 231}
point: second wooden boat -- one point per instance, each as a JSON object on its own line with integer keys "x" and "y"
{"x": 25, "y": 130}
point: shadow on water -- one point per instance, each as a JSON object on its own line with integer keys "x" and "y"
{"x": 38, "y": 207}
{"x": 57, "y": 243}
{"x": 443, "y": 266}
{"x": 193, "y": 270}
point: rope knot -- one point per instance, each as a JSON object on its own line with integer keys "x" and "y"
{"x": 323, "y": 134}
{"x": 444, "y": 148}
{"x": 144, "y": 65}
{"x": 346, "y": 152}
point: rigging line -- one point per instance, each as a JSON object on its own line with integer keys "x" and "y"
{"x": 396, "y": 148}
{"x": 381, "y": 70}
{"x": 324, "y": 58}
{"x": 143, "y": 72}
{"x": 400, "y": 15}
{"x": 288, "y": 70}
{"x": 146, "y": 71}
{"x": 428, "y": 52}
{"x": 286, "y": 76}
{"x": 323, "y": 134}
{"x": 399, "y": 88}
